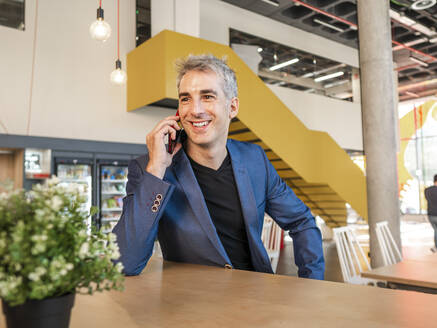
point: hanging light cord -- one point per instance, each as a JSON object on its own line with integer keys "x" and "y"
{"x": 32, "y": 74}
{"x": 118, "y": 29}
{"x": 100, "y": 5}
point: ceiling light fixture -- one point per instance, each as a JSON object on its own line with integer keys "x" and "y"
{"x": 433, "y": 40}
{"x": 327, "y": 77}
{"x": 289, "y": 62}
{"x": 423, "y": 4}
{"x": 334, "y": 84}
{"x": 260, "y": 49}
{"x": 100, "y": 30}
{"x": 420, "y": 62}
{"x": 332, "y": 27}
{"x": 118, "y": 76}
{"x": 271, "y": 2}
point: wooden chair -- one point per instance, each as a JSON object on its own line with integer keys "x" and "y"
{"x": 271, "y": 238}
{"x": 389, "y": 248}
{"x": 351, "y": 261}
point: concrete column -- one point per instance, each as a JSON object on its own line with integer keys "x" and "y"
{"x": 176, "y": 15}
{"x": 379, "y": 121}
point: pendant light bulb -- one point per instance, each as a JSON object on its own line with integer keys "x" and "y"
{"x": 118, "y": 76}
{"x": 100, "y": 30}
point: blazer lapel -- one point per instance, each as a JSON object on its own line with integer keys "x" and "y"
{"x": 260, "y": 257}
{"x": 188, "y": 182}
{"x": 244, "y": 186}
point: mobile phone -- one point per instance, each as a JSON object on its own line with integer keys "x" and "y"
{"x": 179, "y": 136}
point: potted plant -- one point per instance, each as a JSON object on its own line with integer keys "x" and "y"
{"x": 47, "y": 254}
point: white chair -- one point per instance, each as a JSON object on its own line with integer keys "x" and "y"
{"x": 389, "y": 248}
{"x": 271, "y": 238}
{"x": 351, "y": 260}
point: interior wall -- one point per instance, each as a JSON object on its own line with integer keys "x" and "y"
{"x": 340, "y": 119}
{"x": 70, "y": 95}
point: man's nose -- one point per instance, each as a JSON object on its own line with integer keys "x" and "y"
{"x": 197, "y": 107}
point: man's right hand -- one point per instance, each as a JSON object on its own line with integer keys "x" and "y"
{"x": 159, "y": 158}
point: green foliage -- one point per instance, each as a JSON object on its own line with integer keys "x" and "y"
{"x": 46, "y": 249}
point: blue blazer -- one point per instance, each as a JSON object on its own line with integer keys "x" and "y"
{"x": 174, "y": 209}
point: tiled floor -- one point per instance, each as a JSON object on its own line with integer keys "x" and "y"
{"x": 417, "y": 239}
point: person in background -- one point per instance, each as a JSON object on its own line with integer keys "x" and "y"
{"x": 431, "y": 198}
{"x": 206, "y": 201}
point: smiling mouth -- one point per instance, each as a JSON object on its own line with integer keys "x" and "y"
{"x": 200, "y": 124}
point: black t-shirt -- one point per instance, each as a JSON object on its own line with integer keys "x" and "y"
{"x": 431, "y": 197}
{"x": 221, "y": 196}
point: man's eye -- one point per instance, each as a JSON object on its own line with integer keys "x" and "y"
{"x": 185, "y": 99}
{"x": 208, "y": 97}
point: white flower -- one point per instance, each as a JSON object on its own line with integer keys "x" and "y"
{"x": 119, "y": 267}
{"x": 40, "y": 271}
{"x": 56, "y": 203}
{"x": 112, "y": 237}
{"x": 53, "y": 181}
{"x": 115, "y": 254}
{"x": 38, "y": 248}
{"x": 84, "y": 249}
{"x": 69, "y": 266}
{"x": 33, "y": 276}
{"x": 63, "y": 272}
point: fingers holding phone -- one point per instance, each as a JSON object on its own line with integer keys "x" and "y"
{"x": 156, "y": 140}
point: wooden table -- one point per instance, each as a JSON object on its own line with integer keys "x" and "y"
{"x": 418, "y": 273}
{"x": 184, "y": 295}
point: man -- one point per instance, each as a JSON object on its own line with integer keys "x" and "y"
{"x": 206, "y": 201}
{"x": 431, "y": 197}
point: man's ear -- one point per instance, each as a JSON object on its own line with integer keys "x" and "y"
{"x": 234, "y": 105}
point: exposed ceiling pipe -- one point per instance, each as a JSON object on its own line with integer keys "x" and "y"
{"x": 419, "y": 86}
{"x": 355, "y": 26}
{"x": 423, "y": 94}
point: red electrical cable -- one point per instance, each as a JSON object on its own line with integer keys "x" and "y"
{"x": 118, "y": 29}
{"x": 320, "y": 11}
{"x": 100, "y": 5}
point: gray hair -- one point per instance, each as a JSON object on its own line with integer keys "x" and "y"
{"x": 205, "y": 63}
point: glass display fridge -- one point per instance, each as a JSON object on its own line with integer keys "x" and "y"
{"x": 77, "y": 171}
{"x": 112, "y": 189}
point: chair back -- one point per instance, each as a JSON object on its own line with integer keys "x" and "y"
{"x": 352, "y": 259}
{"x": 271, "y": 238}
{"x": 389, "y": 248}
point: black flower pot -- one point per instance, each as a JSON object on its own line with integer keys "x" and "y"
{"x": 48, "y": 313}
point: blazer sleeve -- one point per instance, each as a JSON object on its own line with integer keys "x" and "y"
{"x": 291, "y": 214}
{"x": 136, "y": 231}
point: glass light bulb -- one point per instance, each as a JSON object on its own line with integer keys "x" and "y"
{"x": 100, "y": 30}
{"x": 118, "y": 76}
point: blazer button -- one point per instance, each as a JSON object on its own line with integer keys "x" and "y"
{"x": 228, "y": 266}
{"x": 159, "y": 197}
{"x": 157, "y": 203}
{"x": 154, "y": 208}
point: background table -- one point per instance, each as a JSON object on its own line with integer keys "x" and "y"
{"x": 184, "y": 295}
{"x": 418, "y": 272}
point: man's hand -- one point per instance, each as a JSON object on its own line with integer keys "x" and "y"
{"x": 159, "y": 158}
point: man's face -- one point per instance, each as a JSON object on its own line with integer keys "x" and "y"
{"x": 203, "y": 108}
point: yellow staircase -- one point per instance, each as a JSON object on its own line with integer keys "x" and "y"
{"x": 317, "y": 169}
